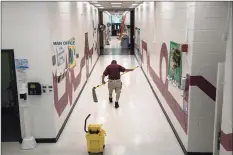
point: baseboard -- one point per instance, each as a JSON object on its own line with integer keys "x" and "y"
{"x": 54, "y": 140}
{"x": 75, "y": 102}
{"x": 199, "y": 153}
{"x": 46, "y": 140}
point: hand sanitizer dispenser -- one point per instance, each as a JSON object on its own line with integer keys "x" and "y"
{"x": 183, "y": 82}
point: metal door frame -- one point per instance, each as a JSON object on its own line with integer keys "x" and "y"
{"x": 14, "y": 85}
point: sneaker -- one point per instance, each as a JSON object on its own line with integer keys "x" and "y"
{"x": 110, "y": 100}
{"x": 116, "y": 105}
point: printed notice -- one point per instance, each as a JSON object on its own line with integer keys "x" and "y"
{"x": 22, "y": 80}
{"x": 21, "y": 63}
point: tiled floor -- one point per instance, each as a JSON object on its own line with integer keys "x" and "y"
{"x": 115, "y": 48}
{"x": 138, "y": 127}
{"x": 116, "y": 51}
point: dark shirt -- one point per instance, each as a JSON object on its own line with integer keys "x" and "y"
{"x": 113, "y": 71}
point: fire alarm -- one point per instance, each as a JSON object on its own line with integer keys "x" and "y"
{"x": 184, "y": 47}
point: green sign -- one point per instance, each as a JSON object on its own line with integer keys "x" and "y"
{"x": 175, "y": 63}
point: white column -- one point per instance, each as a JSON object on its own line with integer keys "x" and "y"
{"x": 28, "y": 140}
{"x": 227, "y": 122}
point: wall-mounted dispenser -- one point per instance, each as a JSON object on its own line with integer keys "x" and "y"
{"x": 23, "y": 96}
{"x": 34, "y": 88}
{"x": 23, "y": 91}
{"x": 183, "y": 82}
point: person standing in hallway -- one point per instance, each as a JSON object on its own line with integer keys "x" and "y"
{"x": 114, "y": 83}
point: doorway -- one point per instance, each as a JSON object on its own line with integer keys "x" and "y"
{"x": 115, "y": 28}
{"x": 9, "y": 101}
{"x": 117, "y": 40}
{"x": 218, "y": 108}
{"x": 132, "y": 32}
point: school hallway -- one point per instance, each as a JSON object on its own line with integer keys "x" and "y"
{"x": 178, "y": 101}
{"x": 137, "y": 127}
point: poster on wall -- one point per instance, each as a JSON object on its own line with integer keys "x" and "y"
{"x": 175, "y": 64}
{"x": 64, "y": 50}
{"x": 72, "y": 52}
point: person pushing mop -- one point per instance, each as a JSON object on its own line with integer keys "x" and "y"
{"x": 114, "y": 83}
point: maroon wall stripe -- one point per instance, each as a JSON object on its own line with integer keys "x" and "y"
{"x": 204, "y": 85}
{"x": 226, "y": 141}
{"x": 180, "y": 115}
{"x": 72, "y": 82}
{"x": 199, "y": 81}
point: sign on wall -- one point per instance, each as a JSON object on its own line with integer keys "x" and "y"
{"x": 64, "y": 51}
{"x": 21, "y": 63}
{"x": 65, "y": 46}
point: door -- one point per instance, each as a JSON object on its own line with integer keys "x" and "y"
{"x": 101, "y": 33}
{"x": 132, "y": 28}
{"x": 9, "y": 99}
{"x": 114, "y": 29}
{"x": 218, "y": 108}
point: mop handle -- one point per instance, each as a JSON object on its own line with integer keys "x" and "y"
{"x": 85, "y": 124}
{"x": 121, "y": 75}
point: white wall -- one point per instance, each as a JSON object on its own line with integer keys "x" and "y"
{"x": 25, "y": 29}
{"x": 106, "y": 19}
{"x": 30, "y": 28}
{"x": 201, "y": 26}
{"x": 80, "y": 16}
{"x": 162, "y": 22}
{"x": 208, "y": 48}
{"x": 127, "y": 19}
{"x": 227, "y": 122}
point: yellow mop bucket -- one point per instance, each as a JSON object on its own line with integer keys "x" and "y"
{"x": 95, "y": 137}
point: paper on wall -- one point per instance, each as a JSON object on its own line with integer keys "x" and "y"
{"x": 22, "y": 80}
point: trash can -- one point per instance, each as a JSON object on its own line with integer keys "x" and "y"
{"x": 125, "y": 41}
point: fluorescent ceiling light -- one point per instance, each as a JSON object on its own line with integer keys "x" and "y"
{"x": 101, "y": 7}
{"x": 134, "y": 4}
{"x": 116, "y": 3}
{"x": 116, "y": 6}
{"x": 97, "y": 5}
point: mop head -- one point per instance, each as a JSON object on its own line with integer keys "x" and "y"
{"x": 95, "y": 99}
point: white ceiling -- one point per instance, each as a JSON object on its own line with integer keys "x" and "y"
{"x": 116, "y": 12}
{"x": 110, "y": 4}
